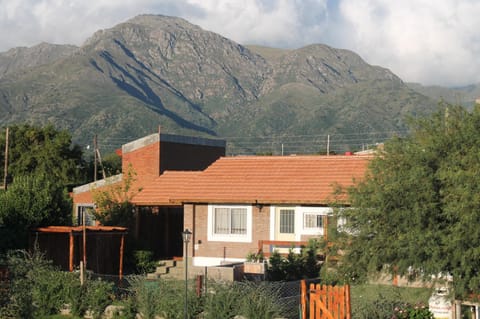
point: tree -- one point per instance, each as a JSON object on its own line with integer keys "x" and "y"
{"x": 114, "y": 207}
{"x": 418, "y": 208}
{"x": 43, "y": 162}
{"x": 43, "y": 150}
{"x": 31, "y": 201}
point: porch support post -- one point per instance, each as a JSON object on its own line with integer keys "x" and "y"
{"x": 71, "y": 251}
{"x": 120, "y": 267}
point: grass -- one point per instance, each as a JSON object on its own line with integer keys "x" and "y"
{"x": 60, "y": 317}
{"x": 371, "y": 292}
{"x": 367, "y": 294}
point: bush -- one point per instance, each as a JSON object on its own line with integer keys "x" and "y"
{"x": 391, "y": 306}
{"x": 146, "y": 295}
{"x": 260, "y": 301}
{"x": 164, "y": 298}
{"x": 35, "y": 286}
{"x": 295, "y": 266}
{"x": 98, "y": 294}
{"x": 222, "y": 301}
{"x": 419, "y": 311}
{"x": 144, "y": 261}
{"x": 38, "y": 289}
{"x": 248, "y": 299}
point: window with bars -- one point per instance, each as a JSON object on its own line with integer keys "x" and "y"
{"x": 312, "y": 220}
{"x": 287, "y": 221}
{"x": 230, "y": 221}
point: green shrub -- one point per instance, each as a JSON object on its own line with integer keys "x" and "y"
{"x": 164, "y": 297}
{"x": 276, "y": 269}
{"x": 390, "y": 306}
{"x": 419, "y": 311}
{"x": 248, "y": 299}
{"x": 260, "y": 301}
{"x": 222, "y": 301}
{"x": 295, "y": 266}
{"x": 48, "y": 291}
{"x": 73, "y": 294}
{"x": 35, "y": 286}
{"x": 144, "y": 261}
{"x": 146, "y": 294}
{"x": 98, "y": 294}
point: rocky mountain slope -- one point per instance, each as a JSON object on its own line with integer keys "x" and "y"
{"x": 22, "y": 58}
{"x": 154, "y": 71}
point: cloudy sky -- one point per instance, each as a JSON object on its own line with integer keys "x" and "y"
{"x": 425, "y": 41}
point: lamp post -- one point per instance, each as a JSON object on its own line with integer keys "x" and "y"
{"x": 186, "y": 236}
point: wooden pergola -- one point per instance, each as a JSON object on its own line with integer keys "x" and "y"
{"x": 87, "y": 231}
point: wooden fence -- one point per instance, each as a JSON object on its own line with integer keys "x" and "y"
{"x": 325, "y": 302}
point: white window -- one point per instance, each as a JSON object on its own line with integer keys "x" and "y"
{"x": 85, "y": 210}
{"x": 229, "y": 223}
{"x": 312, "y": 220}
{"x": 287, "y": 221}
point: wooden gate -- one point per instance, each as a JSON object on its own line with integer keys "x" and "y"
{"x": 325, "y": 302}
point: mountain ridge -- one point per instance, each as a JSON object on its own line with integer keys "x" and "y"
{"x": 152, "y": 71}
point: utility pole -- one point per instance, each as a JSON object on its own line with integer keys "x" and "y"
{"x": 328, "y": 144}
{"x": 5, "y": 173}
{"x": 95, "y": 158}
{"x": 99, "y": 157}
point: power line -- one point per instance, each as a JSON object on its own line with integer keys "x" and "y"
{"x": 292, "y": 143}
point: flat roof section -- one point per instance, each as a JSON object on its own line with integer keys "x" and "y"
{"x": 172, "y": 138}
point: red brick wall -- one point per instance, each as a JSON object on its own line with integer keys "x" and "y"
{"x": 261, "y": 230}
{"x": 87, "y": 196}
{"x": 145, "y": 161}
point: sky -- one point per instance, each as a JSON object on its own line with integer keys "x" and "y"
{"x": 432, "y": 42}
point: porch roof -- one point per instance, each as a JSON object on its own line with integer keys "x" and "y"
{"x": 79, "y": 229}
{"x": 259, "y": 179}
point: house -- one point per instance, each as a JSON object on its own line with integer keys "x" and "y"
{"x": 150, "y": 157}
{"x": 231, "y": 204}
{"x": 238, "y": 202}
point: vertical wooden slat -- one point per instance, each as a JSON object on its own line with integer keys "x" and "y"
{"x": 347, "y": 302}
{"x": 120, "y": 266}
{"x": 303, "y": 286}
{"x": 313, "y": 299}
{"x": 341, "y": 302}
{"x": 71, "y": 252}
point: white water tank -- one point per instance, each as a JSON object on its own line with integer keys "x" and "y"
{"x": 440, "y": 304}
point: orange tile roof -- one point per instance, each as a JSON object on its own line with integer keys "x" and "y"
{"x": 162, "y": 190}
{"x": 262, "y": 179}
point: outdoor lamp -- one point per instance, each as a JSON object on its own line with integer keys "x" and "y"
{"x": 186, "y": 235}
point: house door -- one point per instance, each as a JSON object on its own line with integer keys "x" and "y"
{"x": 285, "y": 224}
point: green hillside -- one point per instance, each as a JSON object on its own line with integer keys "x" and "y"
{"x": 153, "y": 71}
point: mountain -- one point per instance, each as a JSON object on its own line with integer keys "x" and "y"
{"x": 466, "y": 95}
{"x": 153, "y": 71}
{"x": 18, "y": 59}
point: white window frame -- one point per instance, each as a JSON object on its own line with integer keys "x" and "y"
{"x": 317, "y": 211}
{"x": 240, "y": 238}
{"x": 89, "y": 218}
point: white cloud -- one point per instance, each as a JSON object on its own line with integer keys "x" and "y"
{"x": 283, "y": 23}
{"x": 427, "y": 41}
